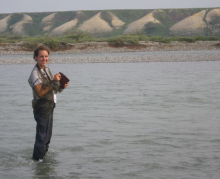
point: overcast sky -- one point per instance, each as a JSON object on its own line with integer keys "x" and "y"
{"x": 11, "y": 6}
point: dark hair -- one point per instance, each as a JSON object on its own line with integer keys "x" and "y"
{"x": 39, "y": 48}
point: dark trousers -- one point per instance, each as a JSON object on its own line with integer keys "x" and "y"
{"x": 43, "y": 135}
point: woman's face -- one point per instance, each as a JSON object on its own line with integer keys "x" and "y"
{"x": 42, "y": 58}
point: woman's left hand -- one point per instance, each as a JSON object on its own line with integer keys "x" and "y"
{"x": 66, "y": 85}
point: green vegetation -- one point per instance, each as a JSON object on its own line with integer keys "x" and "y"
{"x": 62, "y": 17}
{"x": 64, "y": 42}
{"x": 123, "y": 40}
{"x": 176, "y": 15}
{"x": 85, "y": 15}
{"x": 76, "y": 36}
{"x": 15, "y": 18}
{"x": 106, "y": 16}
{"x": 164, "y": 18}
{"x": 130, "y": 15}
{"x": 132, "y": 40}
{"x": 155, "y": 29}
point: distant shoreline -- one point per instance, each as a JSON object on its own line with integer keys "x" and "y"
{"x": 104, "y": 47}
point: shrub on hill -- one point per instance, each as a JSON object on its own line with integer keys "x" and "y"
{"x": 123, "y": 40}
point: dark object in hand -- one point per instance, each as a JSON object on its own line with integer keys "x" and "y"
{"x": 63, "y": 80}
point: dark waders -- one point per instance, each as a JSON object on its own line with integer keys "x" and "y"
{"x": 43, "y": 134}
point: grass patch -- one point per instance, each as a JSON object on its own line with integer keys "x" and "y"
{"x": 76, "y": 36}
{"x": 159, "y": 39}
{"x": 53, "y": 43}
{"x": 196, "y": 38}
{"x": 64, "y": 42}
{"x": 129, "y": 16}
{"x": 123, "y": 40}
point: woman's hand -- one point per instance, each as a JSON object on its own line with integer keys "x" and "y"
{"x": 66, "y": 85}
{"x": 57, "y": 77}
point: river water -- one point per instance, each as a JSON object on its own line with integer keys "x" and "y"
{"x": 117, "y": 120}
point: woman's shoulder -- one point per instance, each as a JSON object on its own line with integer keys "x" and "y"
{"x": 47, "y": 68}
{"x": 35, "y": 71}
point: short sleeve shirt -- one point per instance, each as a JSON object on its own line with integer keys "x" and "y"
{"x": 36, "y": 79}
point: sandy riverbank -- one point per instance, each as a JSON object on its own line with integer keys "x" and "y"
{"x": 103, "y": 47}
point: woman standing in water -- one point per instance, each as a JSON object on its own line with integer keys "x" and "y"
{"x": 44, "y": 87}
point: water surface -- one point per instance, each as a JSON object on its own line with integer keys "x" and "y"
{"x": 119, "y": 120}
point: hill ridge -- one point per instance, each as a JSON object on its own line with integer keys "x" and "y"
{"x": 160, "y": 22}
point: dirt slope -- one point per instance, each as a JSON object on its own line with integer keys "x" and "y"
{"x": 18, "y": 28}
{"x": 46, "y": 22}
{"x": 116, "y": 22}
{"x": 213, "y": 21}
{"x": 4, "y": 23}
{"x": 96, "y": 25}
{"x": 193, "y": 25}
{"x": 65, "y": 27}
{"x": 138, "y": 25}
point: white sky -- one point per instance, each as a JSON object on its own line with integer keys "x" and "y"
{"x": 11, "y": 6}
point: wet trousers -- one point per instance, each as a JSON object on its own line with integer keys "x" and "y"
{"x": 43, "y": 135}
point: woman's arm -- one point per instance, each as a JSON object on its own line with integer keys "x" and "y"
{"x": 42, "y": 91}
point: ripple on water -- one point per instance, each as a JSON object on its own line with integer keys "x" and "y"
{"x": 11, "y": 160}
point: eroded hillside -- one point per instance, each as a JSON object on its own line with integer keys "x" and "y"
{"x": 166, "y": 22}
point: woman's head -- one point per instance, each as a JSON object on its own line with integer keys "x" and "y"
{"x": 40, "y": 47}
{"x": 41, "y": 55}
